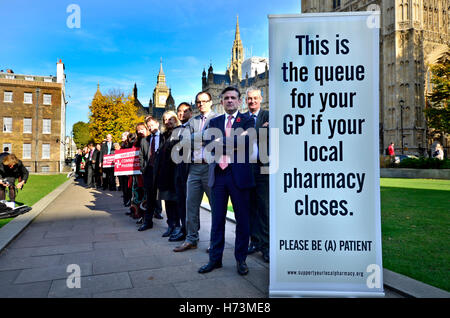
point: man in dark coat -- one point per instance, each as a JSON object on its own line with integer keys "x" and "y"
{"x": 230, "y": 177}
{"x": 259, "y": 210}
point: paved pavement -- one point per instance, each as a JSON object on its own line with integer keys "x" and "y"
{"x": 89, "y": 228}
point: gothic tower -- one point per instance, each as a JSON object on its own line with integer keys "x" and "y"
{"x": 160, "y": 93}
{"x": 237, "y": 56}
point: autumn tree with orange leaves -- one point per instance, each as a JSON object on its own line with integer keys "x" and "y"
{"x": 113, "y": 114}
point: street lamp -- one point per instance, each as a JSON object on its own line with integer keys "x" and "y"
{"x": 401, "y": 104}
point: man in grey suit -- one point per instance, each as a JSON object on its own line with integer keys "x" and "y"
{"x": 259, "y": 210}
{"x": 197, "y": 182}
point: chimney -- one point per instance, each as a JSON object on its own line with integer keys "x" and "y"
{"x": 60, "y": 76}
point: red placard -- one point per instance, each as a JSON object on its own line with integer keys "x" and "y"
{"x": 108, "y": 161}
{"x": 126, "y": 162}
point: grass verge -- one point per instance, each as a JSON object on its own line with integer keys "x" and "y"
{"x": 37, "y": 187}
{"x": 415, "y": 223}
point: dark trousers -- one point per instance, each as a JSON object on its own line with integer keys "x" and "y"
{"x": 181, "y": 188}
{"x": 125, "y": 190}
{"x": 98, "y": 177}
{"x": 259, "y": 209}
{"x": 108, "y": 180}
{"x": 225, "y": 187}
{"x": 171, "y": 211}
{"x": 151, "y": 204}
{"x": 90, "y": 175}
{"x": 12, "y": 193}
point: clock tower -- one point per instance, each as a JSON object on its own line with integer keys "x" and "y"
{"x": 161, "y": 91}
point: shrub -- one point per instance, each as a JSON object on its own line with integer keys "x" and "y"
{"x": 424, "y": 163}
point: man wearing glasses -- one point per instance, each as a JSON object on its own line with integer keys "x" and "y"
{"x": 197, "y": 182}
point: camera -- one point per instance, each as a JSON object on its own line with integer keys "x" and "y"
{"x": 6, "y": 182}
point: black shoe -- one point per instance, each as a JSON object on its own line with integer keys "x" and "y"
{"x": 128, "y": 213}
{"x": 265, "y": 254}
{"x": 242, "y": 268}
{"x": 176, "y": 231}
{"x": 252, "y": 249}
{"x": 145, "y": 226}
{"x": 127, "y": 204}
{"x": 158, "y": 215}
{"x": 209, "y": 267}
{"x": 176, "y": 238}
{"x": 169, "y": 231}
{"x": 140, "y": 221}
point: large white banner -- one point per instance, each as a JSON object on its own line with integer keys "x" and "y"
{"x": 325, "y": 227}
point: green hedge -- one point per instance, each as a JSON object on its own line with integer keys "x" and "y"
{"x": 424, "y": 163}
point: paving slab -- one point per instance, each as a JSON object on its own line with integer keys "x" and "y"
{"x": 89, "y": 228}
{"x": 31, "y": 290}
{"x": 153, "y": 291}
{"x": 9, "y": 263}
{"x": 91, "y": 285}
{"x": 49, "y": 273}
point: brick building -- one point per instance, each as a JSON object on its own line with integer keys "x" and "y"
{"x": 33, "y": 117}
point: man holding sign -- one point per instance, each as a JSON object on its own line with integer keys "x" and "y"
{"x": 108, "y": 171}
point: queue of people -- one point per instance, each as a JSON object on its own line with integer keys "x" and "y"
{"x": 182, "y": 185}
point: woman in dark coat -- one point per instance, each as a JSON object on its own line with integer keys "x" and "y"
{"x": 11, "y": 169}
{"x": 165, "y": 171}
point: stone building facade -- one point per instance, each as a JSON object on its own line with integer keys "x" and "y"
{"x": 414, "y": 34}
{"x": 33, "y": 115}
{"x": 214, "y": 83}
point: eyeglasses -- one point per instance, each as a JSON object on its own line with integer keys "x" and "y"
{"x": 202, "y": 101}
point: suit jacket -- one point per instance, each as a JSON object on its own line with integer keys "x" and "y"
{"x": 146, "y": 169}
{"x": 242, "y": 172}
{"x": 263, "y": 117}
{"x": 95, "y": 155}
{"x": 182, "y": 169}
{"x": 194, "y": 128}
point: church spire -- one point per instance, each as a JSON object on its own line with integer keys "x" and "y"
{"x": 98, "y": 93}
{"x": 237, "y": 36}
{"x": 161, "y": 81}
{"x": 161, "y": 72}
{"x": 237, "y": 54}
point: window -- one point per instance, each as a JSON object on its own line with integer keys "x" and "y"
{"x": 45, "y": 151}
{"x": 29, "y": 78}
{"x": 28, "y": 98}
{"x": 47, "y": 80}
{"x": 7, "y": 97}
{"x": 26, "y": 154}
{"x": 47, "y": 126}
{"x": 10, "y": 76}
{"x": 27, "y": 125}
{"x": 47, "y": 99}
{"x": 7, "y": 145}
{"x": 7, "y": 124}
{"x": 45, "y": 169}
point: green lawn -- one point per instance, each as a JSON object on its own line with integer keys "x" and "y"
{"x": 35, "y": 189}
{"x": 415, "y": 218}
{"x": 415, "y": 221}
